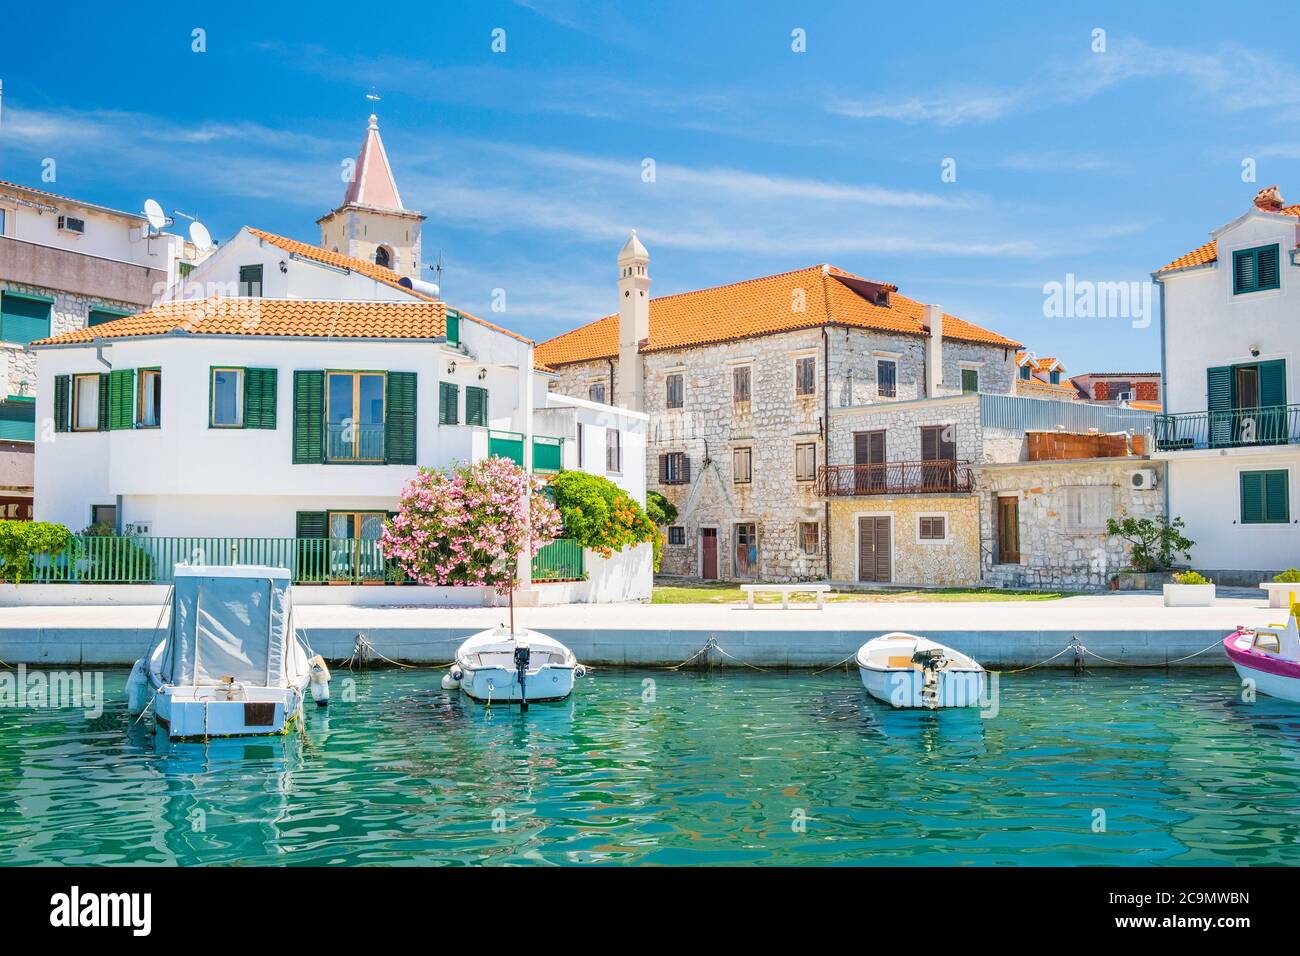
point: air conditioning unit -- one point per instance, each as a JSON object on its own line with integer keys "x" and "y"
{"x": 1143, "y": 479}
{"x": 72, "y": 224}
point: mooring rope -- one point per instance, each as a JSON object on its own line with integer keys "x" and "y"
{"x": 367, "y": 648}
{"x": 1073, "y": 645}
{"x": 1158, "y": 664}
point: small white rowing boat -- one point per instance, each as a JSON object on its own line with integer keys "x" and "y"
{"x": 232, "y": 664}
{"x": 909, "y": 671}
{"x": 526, "y": 667}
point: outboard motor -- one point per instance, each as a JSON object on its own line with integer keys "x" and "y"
{"x": 932, "y": 661}
{"x": 522, "y": 656}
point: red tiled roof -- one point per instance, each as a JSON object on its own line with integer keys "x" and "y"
{"x": 803, "y": 299}
{"x": 1204, "y": 255}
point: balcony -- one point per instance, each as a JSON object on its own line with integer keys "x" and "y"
{"x": 358, "y": 443}
{"x": 944, "y": 477}
{"x": 1233, "y": 428}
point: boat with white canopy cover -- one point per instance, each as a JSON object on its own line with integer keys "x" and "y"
{"x": 231, "y": 663}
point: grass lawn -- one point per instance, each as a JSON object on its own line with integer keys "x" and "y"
{"x": 722, "y": 592}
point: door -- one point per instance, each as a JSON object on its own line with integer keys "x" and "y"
{"x": 709, "y": 554}
{"x": 1008, "y": 530}
{"x": 937, "y": 445}
{"x": 869, "y": 450}
{"x": 354, "y": 545}
{"x": 746, "y": 551}
{"x": 874, "y": 544}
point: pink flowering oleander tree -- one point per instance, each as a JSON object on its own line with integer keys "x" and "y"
{"x": 469, "y": 525}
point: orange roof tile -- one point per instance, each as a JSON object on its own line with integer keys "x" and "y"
{"x": 310, "y": 318}
{"x": 1145, "y": 406}
{"x": 803, "y": 299}
{"x": 337, "y": 260}
{"x": 1204, "y": 255}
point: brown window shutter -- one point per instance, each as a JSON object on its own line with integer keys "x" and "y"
{"x": 686, "y": 469}
{"x": 663, "y": 469}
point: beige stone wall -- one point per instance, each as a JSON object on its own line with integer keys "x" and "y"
{"x": 951, "y": 563}
{"x": 1052, "y": 552}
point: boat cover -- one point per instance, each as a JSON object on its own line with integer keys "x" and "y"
{"x": 231, "y": 622}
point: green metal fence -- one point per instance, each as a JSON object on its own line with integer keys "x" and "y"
{"x": 561, "y": 560}
{"x": 95, "y": 559}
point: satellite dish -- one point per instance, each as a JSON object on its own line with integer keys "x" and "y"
{"x": 200, "y": 236}
{"x": 153, "y": 212}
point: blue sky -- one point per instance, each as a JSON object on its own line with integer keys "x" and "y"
{"x": 529, "y": 163}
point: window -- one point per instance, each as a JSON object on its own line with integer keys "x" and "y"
{"x": 742, "y": 461}
{"x": 100, "y": 316}
{"x": 582, "y": 444}
{"x": 453, "y": 327}
{"x": 18, "y": 419}
{"x": 886, "y": 378}
{"x": 383, "y": 257}
{"x": 613, "y": 450}
{"x": 675, "y": 388}
{"x": 805, "y": 462}
{"x": 476, "y": 405}
{"x": 937, "y": 443}
{"x": 227, "y": 409}
{"x": 805, "y": 375}
{"x": 1087, "y": 508}
{"x": 354, "y": 416}
{"x": 1254, "y": 270}
{"x": 970, "y": 380}
{"x": 677, "y": 535}
{"x": 85, "y": 403}
{"x": 740, "y": 384}
{"x": 1265, "y": 497}
{"x": 809, "y": 537}
{"x": 250, "y": 281}
{"x": 596, "y": 392}
{"x": 448, "y": 403}
{"x": 1054, "y": 376}
{"x": 674, "y": 468}
{"x": 103, "y": 516}
{"x": 24, "y": 318}
{"x": 932, "y": 527}
{"x": 2, "y": 222}
{"x": 148, "y": 411}
{"x": 1024, "y": 373}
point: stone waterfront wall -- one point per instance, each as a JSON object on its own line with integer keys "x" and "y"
{"x": 953, "y": 562}
{"x": 1052, "y": 554}
{"x": 70, "y": 311}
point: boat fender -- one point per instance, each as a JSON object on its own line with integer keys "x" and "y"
{"x": 579, "y": 670}
{"x": 449, "y": 681}
{"x": 457, "y": 674}
{"x": 320, "y": 681}
{"x": 137, "y": 690}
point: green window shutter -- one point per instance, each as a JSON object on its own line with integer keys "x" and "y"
{"x": 476, "y": 405}
{"x": 448, "y": 400}
{"x": 1266, "y": 268}
{"x": 103, "y": 397}
{"x": 121, "y": 398}
{"x": 1243, "y": 272}
{"x": 1252, "y": 497}
{"x": 308, "y": 417}
{"x": 399, "y": 419}
{"x": 100, "y": 316}
{"x": 24, "y": 318}
{"x": 1257, "y": 269}
{"x": 312, "y": 524}
{"x": 1277, "y": 495}
{"x": 260, "y": 395}
{"x": 18, "y": 420}
{"x": 62, "y": 401}
{"x": 1272, "y": 383}
{"x": 970, "y": 380}
{"x": 453, "y": 327}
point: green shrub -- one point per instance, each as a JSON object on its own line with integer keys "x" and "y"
{"x": 1190, "y": 577}
{"x": 20, "y": 541}
{"x": 1289, "y": 576}
{"x": 600, "y": 515}
{"x": 1155, "y": 541}
{"x": 659, "y": 509}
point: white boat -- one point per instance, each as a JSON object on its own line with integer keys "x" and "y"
{"x": 909, "y": 671}
{"x": 496, "y": 666}
{"x": 231, "y": 663}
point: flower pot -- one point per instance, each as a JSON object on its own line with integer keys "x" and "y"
{"x": 1189, "y": 595}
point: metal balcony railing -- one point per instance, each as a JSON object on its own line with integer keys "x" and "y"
{"x": 895, "y": 478}
{"x": 351, "y": 442}
{"x": 1233, "y": 428}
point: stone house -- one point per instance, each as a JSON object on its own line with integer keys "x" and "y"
{"x": 744, "y": 384}
{"x": 1135, "y": 389}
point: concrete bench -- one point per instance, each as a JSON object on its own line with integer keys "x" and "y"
{"x": 785, "y": 590}
{"x": 1279, "y": 592}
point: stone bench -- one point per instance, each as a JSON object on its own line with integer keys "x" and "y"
{"x": 1279, "y": 592}
{"x": 785, "y": 590}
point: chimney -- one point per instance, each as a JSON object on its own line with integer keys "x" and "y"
{"x": 933, "y": 350}
{"x": 1269, "y": 199}
{"x": 633, "y": 322}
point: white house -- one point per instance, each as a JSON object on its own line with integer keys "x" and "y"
{"x": 1231, "y": 432}
{"x": 290, "y": 419}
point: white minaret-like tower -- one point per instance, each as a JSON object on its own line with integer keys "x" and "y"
{"x": 633, "y": 321}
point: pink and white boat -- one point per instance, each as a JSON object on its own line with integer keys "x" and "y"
{"x": 1268, "y": 656}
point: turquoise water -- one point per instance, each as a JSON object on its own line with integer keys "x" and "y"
{"x": 698, "y": 769}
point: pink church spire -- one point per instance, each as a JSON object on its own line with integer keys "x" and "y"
{"x": 372, "y": 180}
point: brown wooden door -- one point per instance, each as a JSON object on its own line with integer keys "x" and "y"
{"x": 869, "y": 449}
{"x": 709, "y": 554}
{"x": 874, "y": 549}
{"x": 937, "y": 445}
{"x": 746, "y": 539}
{"x": 1008, "y": 530}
